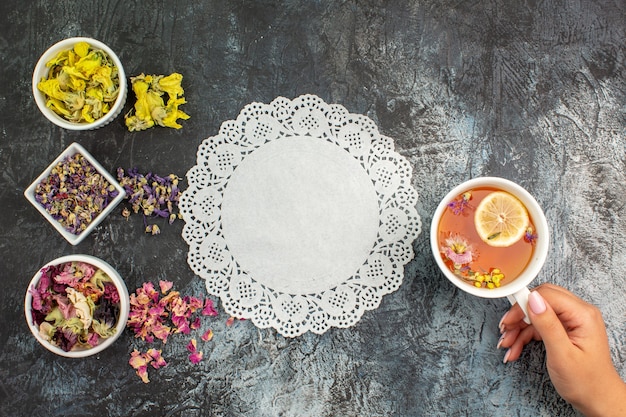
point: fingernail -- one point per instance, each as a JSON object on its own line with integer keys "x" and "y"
{"x": 501, "y": 325}
{"x": 536, "y": 302}
{"x": 506, "y": 356}
{"x": 500, "y": 340}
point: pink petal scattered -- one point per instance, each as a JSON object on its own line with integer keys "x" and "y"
{"x": 207, "y": 336}
{"x": 192, "y": 346}
{"x": 142, "y": 372}
{"x": 208, "y": 309}
{"x": 165, "y": 286}
{"x": 195, "y": 358}
{"x": 157, "y": 314}
{"x": 136, "y": 359}
{"x": 157, "y": 360}
{"x": 139, "y": 362}
{"x": 195, "y": 325}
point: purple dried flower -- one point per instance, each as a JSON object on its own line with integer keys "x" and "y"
{"x": 151, "y": 195}
{"x": 458, "y": 205}
{"x": 62, "y": 295}
{"x": 66, "y": 338}
{"x": 74, "y": 193}
{"x": 110, "y": 293}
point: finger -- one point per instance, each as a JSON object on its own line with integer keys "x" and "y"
{"x": 553, "y": 293}
{"x": 546, "y": 322}
{"x": 546, "y": 286}
{"x": 515, "y": 350}
{"x": 508, "y": 337}
{"x": 512, "y": 319}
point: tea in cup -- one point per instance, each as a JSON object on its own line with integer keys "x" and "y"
{"x": 490, "y": 238}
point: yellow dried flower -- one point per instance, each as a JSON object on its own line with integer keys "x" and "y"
{"x": 78, "y": 74}
{"x": 150, "y": 108}
{"x": 172, "y": 85}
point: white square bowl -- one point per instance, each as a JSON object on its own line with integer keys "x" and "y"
{"x": 71, "y": 150}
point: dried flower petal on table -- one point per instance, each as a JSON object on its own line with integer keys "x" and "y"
{"x": 82, "y": 83}
{"x": 140, "y": 361}
{"x": 160, "y": 313}
{"x": 165, "y": 286}
{"x": 153, "y": 229}
{"x": 150, "y": 108}
{"x": 152, "y": 195}
{"x": 195, "y": 355}
{"x": 207, "y": 336}
{"x": 208, "y": 309}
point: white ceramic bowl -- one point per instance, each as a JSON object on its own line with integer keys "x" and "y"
{"x": 41, "y": 71}
{"x": 123, "y": 314}
{"x": 74, "y": 148}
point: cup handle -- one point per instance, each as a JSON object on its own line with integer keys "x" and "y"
{"x": 521, "y": 298}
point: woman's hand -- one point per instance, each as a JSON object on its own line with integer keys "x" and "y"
{"x": 577, "y": 350}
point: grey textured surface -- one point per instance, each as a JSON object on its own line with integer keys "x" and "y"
{"x": 533, "y": 91}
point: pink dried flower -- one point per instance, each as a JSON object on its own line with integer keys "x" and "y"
{"x": 140, "y": 361}
{"x": 458, "y": 250}
{"x": 207, "y": 336}
{"x": 93, "y": 339}
{"x": 155, "y": 315}
{"x": 192, "y": 346}
{"x": 195, "y": 324}
{"x": 71, "y": 301}
{"x": 111, "y": 293}
{"x": 195, "y": 356}
{"x": 157, "y": 360}
{"x": 208, "y": 309}
{"x": 165, "y": 286}
{"x": 137, "y": 359}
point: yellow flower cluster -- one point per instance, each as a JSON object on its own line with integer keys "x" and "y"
{"x": 490, "y": 280}
{"x": 150, "y": 108}
{"x": 82, "y": 83}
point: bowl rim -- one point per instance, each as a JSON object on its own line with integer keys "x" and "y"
{"x": 72, "y": 149}
{"x": 41, "y": 70}
{"x": 124, "y": 305}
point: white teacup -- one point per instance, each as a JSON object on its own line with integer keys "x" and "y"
{"x": 516, "y": 290}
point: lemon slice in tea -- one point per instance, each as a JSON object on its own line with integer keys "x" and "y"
{"x": 501, "y": 219}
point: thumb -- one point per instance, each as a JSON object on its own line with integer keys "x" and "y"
{"x": 548, "y": 325}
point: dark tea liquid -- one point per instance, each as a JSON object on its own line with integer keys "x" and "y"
{"x": 457, "y": 225}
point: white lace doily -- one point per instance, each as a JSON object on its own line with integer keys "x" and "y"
{"x": 299, "y": 215}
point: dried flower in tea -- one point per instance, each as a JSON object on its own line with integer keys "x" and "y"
{"x": 473, "y": 255}
{"x": 460, "y": 204}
